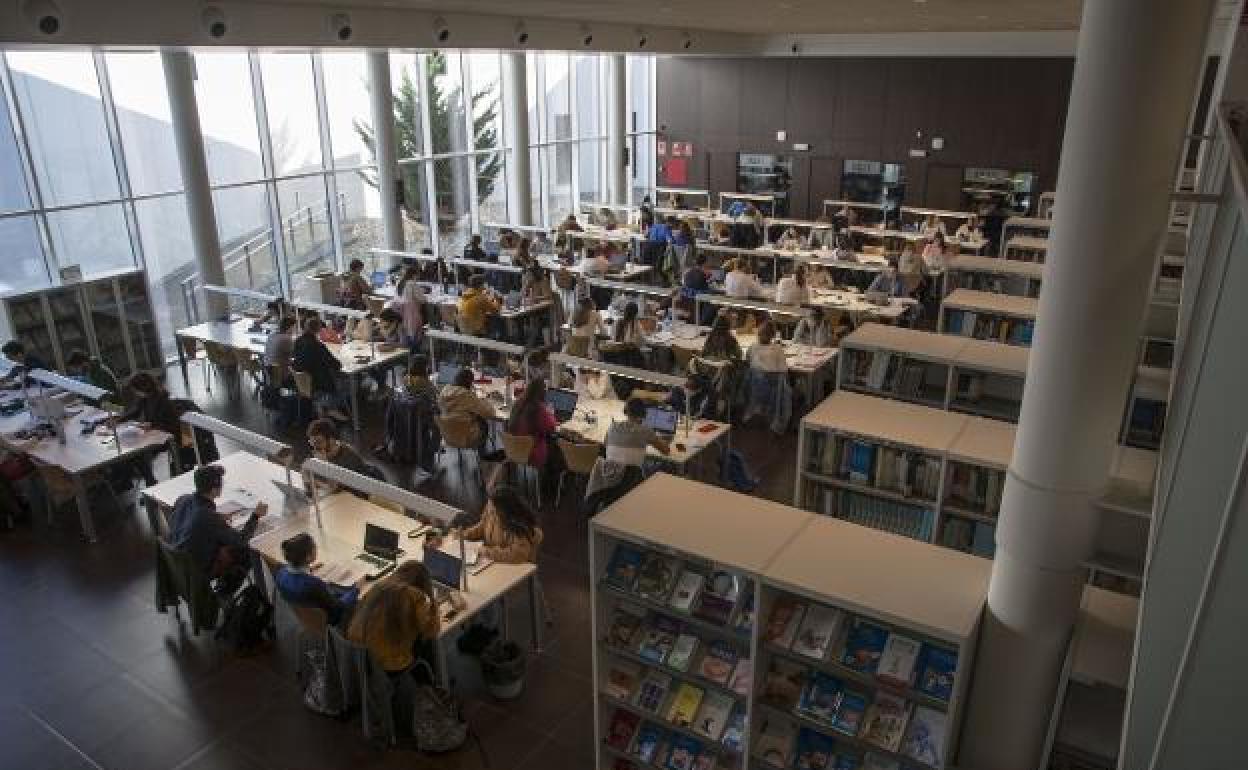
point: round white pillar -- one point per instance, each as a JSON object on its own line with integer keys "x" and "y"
{"x": 1135, "y": 77}
{"x": 617, "y": 127}
{"x": 381, "y": 104}
{"x": 516, "y": 123}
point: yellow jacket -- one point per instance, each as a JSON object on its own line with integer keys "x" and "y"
{"x": 474, "y": 306}
{"x": 501, "y": 545}
{"x": 415, "y": 618}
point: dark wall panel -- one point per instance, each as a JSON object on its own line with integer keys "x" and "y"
{"x": 1003, "y": 113}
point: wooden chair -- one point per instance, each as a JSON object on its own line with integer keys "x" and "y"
{"x": 518, "y": 449}
{"x": 681, "y": 356}
{"x": 222, "y": 359}
{"x": 190, "y": 351}
{"x": 249, "y": 363}
{"x": 458, "y": 434}
{"x": 579, "y": 459}
{"x": 375, "y": 304}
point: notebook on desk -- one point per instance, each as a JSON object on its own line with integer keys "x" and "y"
{"x": 662, "y": 420}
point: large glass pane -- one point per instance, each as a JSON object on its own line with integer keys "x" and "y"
{"x": 415, "y": 219}
{"x": 532, "y": 76}
{"x": 557, "y": 170}
{"x": 347, "y": 105}
{"x": 165, "y": 234}
{"x": 589, "y": 101}
{"x": 359, "y": 212}
{"x": 445, "y": 88}
{"x": 536, "y": 184}
{"x": 227, "y": 115}
{"x": 558, "y": 97}
{"x": 641, "y": 93}
{"x": 246, "y": 236}
{"x": 408, "y": 113}
{"x": 13, "y": 195}
{"x": 454, "y": 197}
{"x": 306, "y": 233}
{"x": 59, "y": 97}
{"x": 485, "y": 77}
{"x": 290, "y": 102}
{"x": 589, "y": 170}
{"x": 142, "y": 103}
{"x": 94, "y": 237}
{"x": 491, "y": 188}
{"x": 22, "y": 266}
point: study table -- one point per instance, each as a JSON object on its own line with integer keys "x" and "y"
{"x": 82, "y": 454}
{"x": 849, "y": 301}
{"x": 914, "y": 236}
{"x": 340, "y": 537}
{"x": 357, "y": 358}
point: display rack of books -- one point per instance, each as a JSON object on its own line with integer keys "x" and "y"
{"x": 985, "y": 315}
{"x": 866, "y": 665}
{"x": 977, "y": 461}
{"x": 1087, "y": 720}
{"x": 1126, "y": 511}
{"x": 860, "y": 664}
{"x": 1025, "y": 239}
{"x": 1145, "y": 417}
{"x": 677, "y": 565}
{"x": 980, "y": 377}
{"x": 109, "y": 317}
{"x": 992, "y": 274}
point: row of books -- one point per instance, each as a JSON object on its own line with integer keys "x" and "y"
{"x": 716, "y": 596}
{"x": 1017, "y": 285}
{"x": 886, "y": 515}
{"x": 912, "y": 474}
{"x": 1148, "y": 422}
{"x": 975, "y": 488}
{"x": 884, "y": 371}
{"x": 812, "y": 631}
{"x": 663, "y": 641}
{"x": 781, "y": 742}
{"x": 977, "y": 537}
{"x": 657, "y": 746}
{"x": 1013, "y": 331}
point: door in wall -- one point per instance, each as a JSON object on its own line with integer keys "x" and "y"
{"x": 824, "y": 183}
{"x": 944, "y": 187}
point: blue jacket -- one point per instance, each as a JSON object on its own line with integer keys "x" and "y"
{"x": 307, "y": 590}
{"x": 196, "y": 528}
{"x": 895, "y": 287}
{"x": 659, "y": 232}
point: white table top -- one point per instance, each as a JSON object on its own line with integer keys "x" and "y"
{"x": 984, "y": 442}
{"x": 243, "y": 471}
{"x": 912, "y": 235}
{"x": 993, "y": 304}
{"x": 802, "y": 359}
{"x": 628, "y": 272}
{"x": 910, "y": 342}
{"x": 235, "y": 334}
{"x": 695, "y": 518}
{"x": 895, "y": 422}
{"x": 1030, "y": 242}
{"x": 79, "y": 453}
{"x": 971, "y": 263}
{"x": 1104, "y": 638}
{"x": 936, "y": 591}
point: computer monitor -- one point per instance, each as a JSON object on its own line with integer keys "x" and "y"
{"x": 446, "y": 373}
{"x": 380, "y": 541}
{"x": 562, "y": 402}
{"x": 661, "y": 419}
{"x": 444, "y": 568}
{"x": 380, "y": 278}
{"x": 512, "y": 300}
{"x": 618, "y": 260}
{"x": 717, "y": 275}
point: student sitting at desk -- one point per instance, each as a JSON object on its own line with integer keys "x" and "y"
{"x": 934, "y": 255}
{"x": 299, "y": 586}
{"x": 815, "y": 328}
{"x": 532, "y": 416}
{"x": 535, "y": 285}
{"x": 721, "y": 234}
{"x": 195, "y": 528}
{"x": 410, "y": 300}
{"x": 314, "y": 358}
{"x": 398, "y": 619}
{"x": 474, "y": 251}
{"x": 695, "y": 281}
{"x": 740, "y": 282}
{"x": 685, "y": 246}
{"x": 507, "y": 239}
{"x": 696, "y": 394}
{"x": 16, "y": 352}
{"x": 280, "y": 345}
{"x": 767, "y": 355}
{"x": 606, "y": 219}
{"x": 585, "y": 326}
{"x": 355, "y": 286}
{"x": 151, "y": 406}
{"x": 325, "y": 444}
{"x": 721, "y": 344}
{"x": 628, "y": 330}
{"x": 789, "y": 240}
{"x": 85, "y": 369}
{"x": 933, "y": 225}
{"x": 595, "y": 263}
{"x": 458, "y": 401}
{"x": 822, "y": 238}
{"x": 969, "y": 230}
{"x": 524, "y": 255}
{"x": 889, "y": 282}
{"x": 909, "y": 262}
{"x": 819, "y": 277}
{"x": 626, "y": 441}
{"x": 477, "y": 307}
{"x": 792, "y": 289}
{"x": 661, "y": 231}
{"x": 508, "y": 530}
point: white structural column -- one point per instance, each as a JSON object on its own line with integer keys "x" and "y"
{"x": 179, "y": 67}
{"x": 1129, "y": 107}
{"x": 516, "y": 123}
{"x": 617, "y": 127}
{"x": 381, "y": 103}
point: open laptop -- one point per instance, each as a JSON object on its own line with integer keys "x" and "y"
{"x": 717, "y": 275}
{"x": 512, "y": 300}
{"x": 562, "y": 402}
{"x": 381, "y": 550}
{"x": 447, "y": 572}
{"x": 296, "y": 499}
{"x": 447, "y": 372}
{"x": 662, "y": 420}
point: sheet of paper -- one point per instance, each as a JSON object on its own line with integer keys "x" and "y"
{"x": 341, "y": 573}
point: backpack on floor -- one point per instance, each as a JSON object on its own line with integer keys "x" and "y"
{"x": 438, "y": 723}
{"x": 248, "y": 622}
{"x": 314, "y": 675}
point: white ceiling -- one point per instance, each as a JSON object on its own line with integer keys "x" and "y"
{"x": 766, "y": 17}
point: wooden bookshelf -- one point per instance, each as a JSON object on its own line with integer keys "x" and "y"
{"x": 992, "y": 274}
{"x": 929, "y": 598}
{"x": 951, "y": 372}
{"x": 985, "y": 315}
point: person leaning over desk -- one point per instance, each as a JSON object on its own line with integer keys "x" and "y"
{"x": 298, "y": 583}
{"x": 477, "y": 307}
{"x": 507, "y": 530}
{"x": 458, "y": 401}
{"x": 312, "y": 357}
{"x": 325, "y": 444}
{"x": 195, "y": 528}
{"x": 626, "y": 441}
{"x": 398, "y": 619}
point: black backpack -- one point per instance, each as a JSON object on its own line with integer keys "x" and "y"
{"x": 248, "y": 622}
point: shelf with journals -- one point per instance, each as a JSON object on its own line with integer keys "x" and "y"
{"x": 1122, "y": 536}
{"x": 984, "y": 315}
{"x": 1027, "y": 235}
{"x": 945, "y": 371}
{"x": 992, "y": 274}
{"x": 675, "y": 695}
{"x": 865, "y": 664}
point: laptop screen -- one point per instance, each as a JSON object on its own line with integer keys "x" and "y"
{"x": 717, "y": 275}
{"x": 446, "y": 373}
{"x": 443, "y": 567}
{"x": 380, "y": 541}
{"x": 661, "y": 420}
{"x": 562, "y": 401}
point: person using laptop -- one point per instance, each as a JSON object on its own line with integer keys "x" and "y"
{"x": 478, "y": 308}
{"x": 280, "y": 345}
{"x": 532, "y": 416}
{"x": 323, "y": 439}
{"x": 767, "y": 355}
{"x": 508, "y": 528}
{"x": 721, "y": 344}
{"x": 397, "y": 620}
{"x": 299, "y": 585}
{"x": 195, "y": 528}
{"x": 627, "y": 441}
{"x": 310, "y": 355}
{"x": 458, "y": 401}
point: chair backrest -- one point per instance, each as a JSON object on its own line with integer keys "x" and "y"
{"x": 682, "y": 356}
{"x": 219, "y": 354}
{"x": 313, "y": 620}
{"x": 375, "y": 304}
{"x": 580, "y": 458}
{"x": 303, "y": 383}
{"x": 449, "y": 315}
{"x": 518, "y": 448}
{"x": 458, "y": 430}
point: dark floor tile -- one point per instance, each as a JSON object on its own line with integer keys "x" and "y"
{"x": 286, "y": 734}
{"x": 553, "y": 754}
{"x": 158, "y": 742}
{"x": 221, "y": 755}
{"x": 97, "y": 717}
{"x": 26, "y": 742}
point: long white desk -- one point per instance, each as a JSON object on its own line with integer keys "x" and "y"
{"x": 340, "y": 537}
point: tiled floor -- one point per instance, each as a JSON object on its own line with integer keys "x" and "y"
{"x": 91, "y": 676}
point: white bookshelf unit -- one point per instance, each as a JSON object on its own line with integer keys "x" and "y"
{"x": 897, "y": 624}
{"x": 992, "y": 274}
{"x": 944, "y": 371}
{"x": 985, "y": 315}
{"x": 1025, "y": 239}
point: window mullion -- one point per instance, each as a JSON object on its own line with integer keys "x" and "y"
{"x": 113, "y": 128}
{"x": 277, "y": 234}
{"x": 466, "y": 93}
{"x": 329, "y": 180}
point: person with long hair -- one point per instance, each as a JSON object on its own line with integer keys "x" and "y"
{"x": 524, "y": 256}
{"x": 354, "y": 285}
{"x": 311, "y": 356}
{"x": 793, "y": 289}
{"x": 532, "y": 416}
{"x": 721, "y": 344}
{"x": 397, "y": 620}
{"x": 628, "y": 328}
{"x": 411, "y": 302}
{"x": 508, "y": 528}
{"x": 585, "y": 326}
